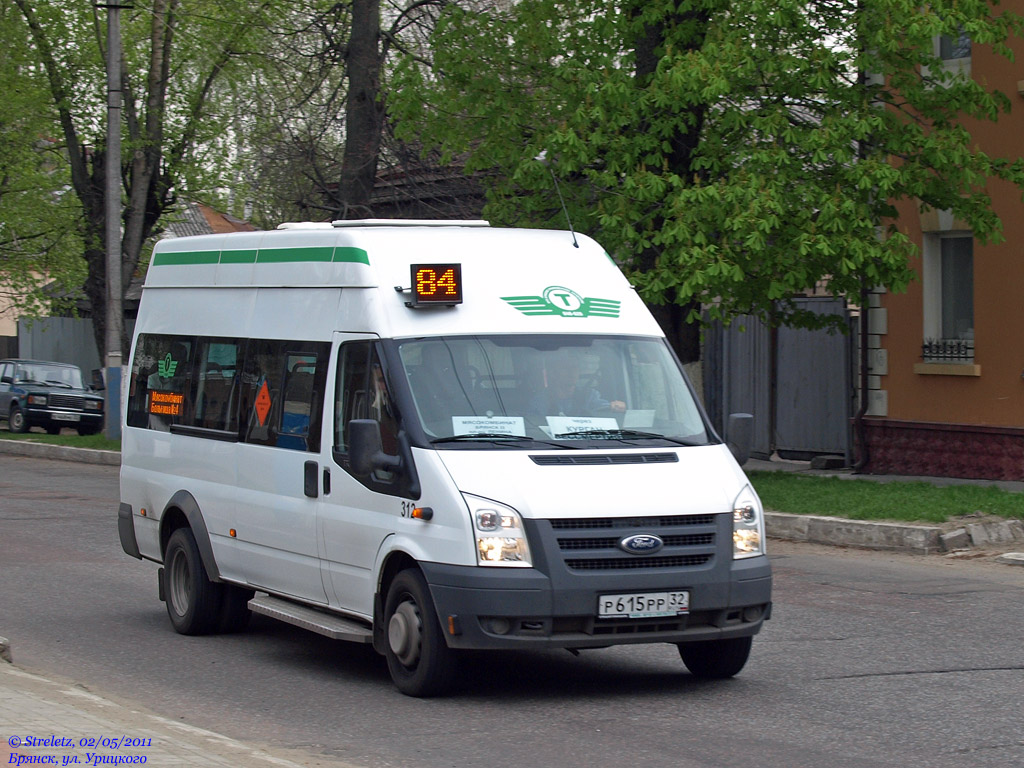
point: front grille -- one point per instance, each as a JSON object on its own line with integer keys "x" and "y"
{"x": 70, "y": 402}
{"x": 633, "y": 563}
{"x": 692, "y": 540}
{"x": 592, "y": 544}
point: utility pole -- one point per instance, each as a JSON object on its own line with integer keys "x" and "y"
{"x": 115, "y": 315}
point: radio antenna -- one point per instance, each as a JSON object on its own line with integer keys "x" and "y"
{"x": 542, "y": 158}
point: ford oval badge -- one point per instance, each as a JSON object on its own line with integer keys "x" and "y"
{"x": 641, "y": 544}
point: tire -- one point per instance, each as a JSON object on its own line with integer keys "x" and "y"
{"x": 16, "y": 421}
{"x": 419, "y": 660}
{"x": 234, "y": 610}
{"x": 193, "y": 601}
{"x": 53, "y": 430}
{"x": 716, "y": 659}
{"x": 89, "y": 430}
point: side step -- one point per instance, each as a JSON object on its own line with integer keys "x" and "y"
{"x": 321, "y": 622}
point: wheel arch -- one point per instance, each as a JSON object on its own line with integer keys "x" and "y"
{"x": 182, "y": 511}
{"x": 394, "y": 563}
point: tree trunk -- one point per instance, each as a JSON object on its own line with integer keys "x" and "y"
{"x": 650, "y": 46}
{"x": 363, "y": 112}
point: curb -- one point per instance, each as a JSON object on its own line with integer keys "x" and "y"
{"x": 60, "y": 452}
{"x": 896, "y": 537}
{"x": 920, "y": 539}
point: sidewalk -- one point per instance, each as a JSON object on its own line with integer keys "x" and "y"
{"x": 50, "y": 722}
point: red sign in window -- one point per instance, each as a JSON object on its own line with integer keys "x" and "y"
{"x": 263, "y": 403}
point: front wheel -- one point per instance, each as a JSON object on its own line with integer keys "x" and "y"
{"x": 193, "y": 601}
{"x": 716, "y": 659}
{"x": 16, "y": 421}
{"x": 419, "y": 659}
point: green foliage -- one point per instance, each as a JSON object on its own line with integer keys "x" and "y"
{"x": 750, "y": 164}
{"x": 39, "y": 243}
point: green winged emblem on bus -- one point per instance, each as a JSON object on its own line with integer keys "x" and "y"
{"x": 556, "y": 300}
{"x": 166, "y": 367}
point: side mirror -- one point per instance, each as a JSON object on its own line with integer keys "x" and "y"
{"x": 97, "y": 384}
{"x": 364, "y": 448}
{"x": 740, "y": 436}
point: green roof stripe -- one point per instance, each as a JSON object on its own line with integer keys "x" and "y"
{"x": 350, "y": 254}
{"x": 247, "y": 256}
{"x": 186, "y": 258}
{"x": 289, "y": 255}
{"x": 322, "y": 254}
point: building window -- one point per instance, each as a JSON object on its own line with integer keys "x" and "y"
{"x": 949, "y": 298}
{"x": 954, "y": 47}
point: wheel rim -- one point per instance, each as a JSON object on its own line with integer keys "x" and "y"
{"x": 179, "y": 592}
{"x": 405, "y": 633}
{"x": 17, "y": 420}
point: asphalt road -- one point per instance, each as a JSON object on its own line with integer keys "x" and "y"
{"x": 869, "y": 660}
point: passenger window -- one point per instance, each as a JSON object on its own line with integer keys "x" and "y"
{"x": 282, "y": 393}
{"x": 159, "y": 393}
{"x": 217, "y": 387}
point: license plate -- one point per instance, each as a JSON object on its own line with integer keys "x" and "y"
{"x": 66, "y": 416}
{"x": 643, "y": 605}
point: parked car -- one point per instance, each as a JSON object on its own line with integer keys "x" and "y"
{"x": 34, "y": 393}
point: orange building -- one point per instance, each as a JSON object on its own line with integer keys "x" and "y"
{"x": 946, "y": 358}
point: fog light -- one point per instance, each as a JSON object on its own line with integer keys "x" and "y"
{"x": 500, "y": 626}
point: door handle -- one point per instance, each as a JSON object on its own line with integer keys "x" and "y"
{"x": 327, "y": 481}
{"x": 309, "y": 479}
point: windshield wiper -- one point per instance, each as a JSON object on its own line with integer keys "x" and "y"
{"x": 625, "y": 434}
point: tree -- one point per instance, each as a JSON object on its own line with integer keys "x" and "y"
{"x": 174, "y": 136}
{"x": 729, "y": 154}
{"x": 38, "y": 233}
{"x": 313, "y": 116}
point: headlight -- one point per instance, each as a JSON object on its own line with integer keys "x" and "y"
{"x": 37, "y": 399}
{"x": 499, "y": 534}
{"x": 747, "y": 525}
{"x": 93, "y": 405}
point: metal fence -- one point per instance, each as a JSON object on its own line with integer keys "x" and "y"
{"x": 798, "y": 384}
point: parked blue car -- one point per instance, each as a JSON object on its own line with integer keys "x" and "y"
{"x": 34, "y": 393}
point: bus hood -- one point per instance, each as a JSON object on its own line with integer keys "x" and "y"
{"x": 580, "y": 484}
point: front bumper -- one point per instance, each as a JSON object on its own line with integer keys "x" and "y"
{"x": 45, "y": 417}
{"x": 554, "y": 604}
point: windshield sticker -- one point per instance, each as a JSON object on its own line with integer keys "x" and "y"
{"x": 563, "y": 302}
{"x": 580, "y": 426}
{"x": 488, "y": 425}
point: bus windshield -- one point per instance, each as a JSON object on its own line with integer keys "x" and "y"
{"x": 543, "y": 388}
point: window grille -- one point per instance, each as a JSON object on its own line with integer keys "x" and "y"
{"x": 948, "y": 350}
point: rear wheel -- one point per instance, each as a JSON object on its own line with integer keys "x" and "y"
{"x": 716, "y": 659}
{"x": 193, "y": 601}
{"x": 419, "y": 659}
{"x": 16, "y": 421}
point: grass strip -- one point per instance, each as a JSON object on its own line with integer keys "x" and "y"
{"x": 98, "y": 441}
{"x": 916, "y": 502}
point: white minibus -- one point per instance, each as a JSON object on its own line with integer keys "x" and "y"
{"x": 431, "y": 437}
